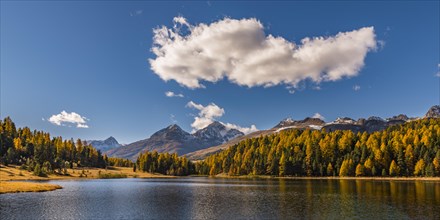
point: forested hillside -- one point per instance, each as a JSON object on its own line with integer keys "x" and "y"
{"x": 164, "y": 163}
{"x": 411, "y": 149}
{"x": 38, "y": 152}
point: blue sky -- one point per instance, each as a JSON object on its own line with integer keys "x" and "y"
{"x": 92, "y": 58}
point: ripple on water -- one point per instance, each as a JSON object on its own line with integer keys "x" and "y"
{"x": 208, "y": 198}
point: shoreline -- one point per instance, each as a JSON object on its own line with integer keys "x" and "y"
{"x": 14, "y": 180}
{"x": 375, "y": 178}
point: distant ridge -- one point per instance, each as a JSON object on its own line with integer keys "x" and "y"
{"x": 174, "y": 139}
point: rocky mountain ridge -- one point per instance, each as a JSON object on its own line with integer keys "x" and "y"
{"x": 433, "y": 112}
{"x": 174, "y": 139}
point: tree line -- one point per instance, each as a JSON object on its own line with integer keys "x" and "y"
{"x": 118, "y": 162}
{"x": 38, "y": 152}
{"x": 411, "y": 149}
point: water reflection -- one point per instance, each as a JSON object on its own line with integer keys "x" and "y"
{"x": 208, "y": 198}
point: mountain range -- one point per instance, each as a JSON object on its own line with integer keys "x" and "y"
{"x": 217, "y": 137}
{"x": 173, "y": 139}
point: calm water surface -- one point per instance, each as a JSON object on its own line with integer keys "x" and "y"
{"x": 213, "y": 198}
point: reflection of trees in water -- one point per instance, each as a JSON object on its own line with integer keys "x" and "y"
{"x": 409, "y": 198}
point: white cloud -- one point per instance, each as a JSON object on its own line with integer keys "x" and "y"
{"x": 207, "y": 114}
{"x": 66, "y": 119}
{"x": 173, "y": 119}
{"x": 317, "y": 115}
{"x": 210, "y": 113}
{"x": 136, "y": 13}
{"x": 438, "y": 73}
{"x": 81, "y": 126}
{"x": 240, "y": 51}
{"x": 180, "y": 20}
{"x": 356, "y": 87}
{"x": 172, "y": 94}
{"x": 245, "y": 130}
{"x": 316, "y": 88}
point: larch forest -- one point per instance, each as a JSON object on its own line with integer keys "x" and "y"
{"x": 407, "y": 150}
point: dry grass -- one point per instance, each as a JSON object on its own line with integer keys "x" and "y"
{"x": 15, "y": 187}
{"x": 14, "y": 173}
{"x": 8, "y": 173}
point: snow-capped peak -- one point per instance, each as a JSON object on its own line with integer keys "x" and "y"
{"x": 217, "y": 131}
{"x": 285, "y": 123}
{"x": 344, "y": 120}
{"x": 433, "y": 112}
{"x": 288, "y": 120}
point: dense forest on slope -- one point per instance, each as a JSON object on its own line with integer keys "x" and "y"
{"x": 164, "y": 163}
{"x": 412, "y": 149}
{"x": 38, "y": 152}
{"x": 118, "y": 162}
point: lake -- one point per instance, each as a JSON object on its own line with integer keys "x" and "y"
{"x": 216, "y": 198}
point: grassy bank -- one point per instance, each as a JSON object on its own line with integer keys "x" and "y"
{"x": 16, "y": 187}
{"x": 10, "y": 177}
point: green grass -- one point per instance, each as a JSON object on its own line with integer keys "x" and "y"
{"x": 111, "y": 175}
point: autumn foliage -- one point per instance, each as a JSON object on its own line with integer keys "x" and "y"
{"x": 412, "y": 149}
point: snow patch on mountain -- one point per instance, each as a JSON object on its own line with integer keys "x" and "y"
{"x": 316, "y": 127}
{"x": 217, "y": 132}
{"x": 104, "y": 145}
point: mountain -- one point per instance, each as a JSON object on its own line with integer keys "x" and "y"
{"x": 312, "y": 123}
{"x": 216, "y": 133}
{"x": 433, "y": 112}
{"x": 285, "y": 123}
{"x": 400, "y": 117}
{"x": 369, "y": 125}
{"x": 173, "y": 139}
{"x": 201, "y": 154}
{"x": 105, "y": 145}
{"x": 345, "y": 124}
